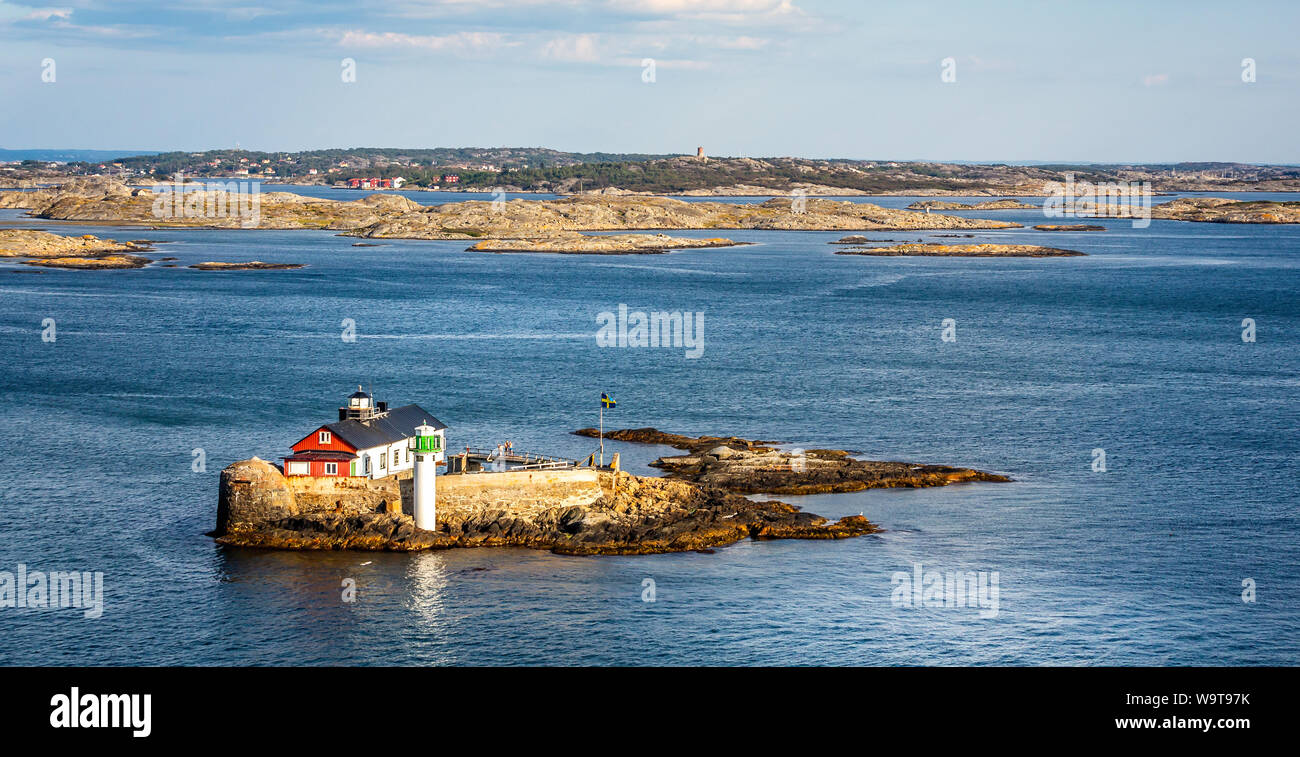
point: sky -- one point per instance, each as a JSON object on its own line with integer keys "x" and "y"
{"x": 1090, "y": 81}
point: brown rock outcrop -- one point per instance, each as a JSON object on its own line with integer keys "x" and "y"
{"x": 35, "y": 243}
{"x": 572, "y": 243}
{"x": 680, "y": 441}
{"x": 1003, "y": 204}
{"x": 749, "y": 467}
{"x": 110, "y": 261}
{"x": 522, "y": 218}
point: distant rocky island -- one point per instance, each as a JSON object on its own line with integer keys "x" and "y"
{"x": 562, "y": 226}
{"x": 572, "y": 243}
{"x": 48, "y": 250}
{"x": 380, "y": 216}
{"x": 930, "y": 249}
{"x": 1209, "y": 210}
{"x": 1003, "y": 204}
{"x": 87, "y": 252}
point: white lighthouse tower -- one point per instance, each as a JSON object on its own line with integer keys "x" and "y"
{"x": 427, "y": 447}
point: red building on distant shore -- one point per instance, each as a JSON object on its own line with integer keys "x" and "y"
{"x": 374, "y": 182}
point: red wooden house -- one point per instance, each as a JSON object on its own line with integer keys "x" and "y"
{"x": 368, "y": 440}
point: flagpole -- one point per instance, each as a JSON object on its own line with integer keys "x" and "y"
{"x": 602, "y": 431}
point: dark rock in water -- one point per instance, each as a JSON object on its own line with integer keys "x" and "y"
{"x": 655, "y": 436}
{"x": 754, "y": 467}
{"x": 372, "y": 531}
{"x": 252, "y": 265}
{"x": 859, "y": 239}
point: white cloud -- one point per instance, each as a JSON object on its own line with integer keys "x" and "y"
{"x": 692, "y": 8}
{"x": 1154, "y": 80}
{"x": 573, "y": 48}
{"x": 458, "y": 42}
{"x": 10, "y": 12}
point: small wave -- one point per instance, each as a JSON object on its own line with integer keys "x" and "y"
{"x": 114, "y": 295}
{"x": 587, "y": 335}
{"x": 694, "y": 271}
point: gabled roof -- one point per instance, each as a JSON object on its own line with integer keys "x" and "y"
{"x": 394, "y": 426}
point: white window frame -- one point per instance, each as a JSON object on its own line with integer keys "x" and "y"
{"x": 331, "y": 469}
{"x": 383, "y": 458}
{"x": 325, "y": 437}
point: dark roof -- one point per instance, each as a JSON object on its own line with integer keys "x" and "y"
{"x": 322, "y": 455}
{"x": 395, "y": 425}
{"x": 358, "y": 394}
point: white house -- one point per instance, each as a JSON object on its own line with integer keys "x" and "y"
{"x": 368, "y": 440}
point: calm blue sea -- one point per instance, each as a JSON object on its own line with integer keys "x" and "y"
{"x": 1135, "y": 349}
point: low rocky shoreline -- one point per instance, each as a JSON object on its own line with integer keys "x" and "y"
{"x": 922, "y": 249}
{"x": 612, "y": 244}
{"x": 48, "y": 250}
{"x": 745, "y": 466}
{"x": 1215, "y": 210}
{"x": 381, "y": 216}
{"x": 1003, "y": 204}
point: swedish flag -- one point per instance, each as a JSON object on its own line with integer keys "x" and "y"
{"x": 606, "y": 400}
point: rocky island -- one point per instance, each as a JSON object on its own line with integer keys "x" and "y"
{"x": 591, "y": 244}
{"x": 756, "y": 467}
{"x": 1220, "y": 210}
{"x": 44, "y": 249}
{"x": 379, "y": 216}
{"x": 924, "y": 249}
{"x": 586, "y": 512}
{"x": 252, "y": 265}
{"x": 1069, "y": 227}
{"x": 523, "y": 218}
{"x": 108, "y": 201}
{"x": 1003, "y": 204}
